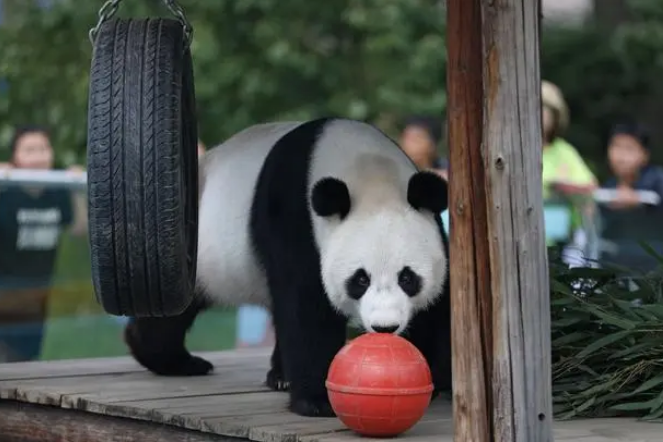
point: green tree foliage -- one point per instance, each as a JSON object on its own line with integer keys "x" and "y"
{"x": 608, "y": 75}
{"x": 258, "y": 60}
{"x": 255, "y": 60}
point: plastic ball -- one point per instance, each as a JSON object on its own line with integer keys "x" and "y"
{"x": 379, "y": 385}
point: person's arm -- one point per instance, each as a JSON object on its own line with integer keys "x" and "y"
{"x": 78, "y": 206}
{"x": 626, "y": 197}
{"x": 658, "y": 186}
{"x": 575, "y": 176}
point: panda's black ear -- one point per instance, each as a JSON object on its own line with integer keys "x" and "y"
{"x": 427, "y": 190}
{"x": 330, "y": 196}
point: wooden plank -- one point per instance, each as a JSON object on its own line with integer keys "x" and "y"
{"x": 499, "y": 274}
{"x": 440, "y": 430}
{"x": 115, "y": 365}
{"x": 286, "y": 427}
{"x": 250, "y": 427}
{"x": 225, "y": 405}
{"x": 67, "y": 391}
{"x": 34, "y": 423}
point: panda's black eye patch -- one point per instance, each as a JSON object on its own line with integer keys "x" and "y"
{"x": 357, "y": 284}
{"x": 409, "y": 281}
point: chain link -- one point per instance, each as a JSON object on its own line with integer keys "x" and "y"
{"x": 106, "y": 12}
{"x": 178, "y": 12}
{"x": 109, "y": 9}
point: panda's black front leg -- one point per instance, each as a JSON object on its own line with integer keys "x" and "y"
{"x": 430, "y": 332}
{"x": 276, "y": 379}
{"x": 309, "y": 334}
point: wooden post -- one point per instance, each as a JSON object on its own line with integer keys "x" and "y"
{"x": 499, "y": 269}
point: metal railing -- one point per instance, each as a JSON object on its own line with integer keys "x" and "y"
{"x": 43, "y": 178}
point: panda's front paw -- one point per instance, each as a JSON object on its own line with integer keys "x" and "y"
{"x": 442, "y": 382}
{"x": 275, "y": 381}
{"x": 318, "y": 407}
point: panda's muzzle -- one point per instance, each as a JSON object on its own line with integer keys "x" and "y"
{"x": 384, "y": 328}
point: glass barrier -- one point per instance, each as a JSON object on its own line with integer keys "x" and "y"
{"x": 61, "y": 319}
{"x": 556, "y": 218}
{"x": 625, "y": 230}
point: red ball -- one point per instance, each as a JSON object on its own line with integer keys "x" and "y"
{"x": 379, "y": 385}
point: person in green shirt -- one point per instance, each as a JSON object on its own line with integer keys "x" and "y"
{"x": 564, "y": 170}
{"x": 566, "y": 178}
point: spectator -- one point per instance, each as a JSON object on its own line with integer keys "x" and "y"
{"x": 420, "y": 139}
{"x": 31, "y": 221}
{"x": 564, "y": 171}
{"x": 628, "y": 156}
{"x": 566, "y": 177}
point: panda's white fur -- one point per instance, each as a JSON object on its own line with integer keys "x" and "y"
{"x": 381, "y": 234}
{"x": 228, "y": 270}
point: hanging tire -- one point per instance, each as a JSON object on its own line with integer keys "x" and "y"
{"x": 142, "y": 168}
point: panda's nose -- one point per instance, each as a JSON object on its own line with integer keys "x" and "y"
{"x": 384, "y": 328}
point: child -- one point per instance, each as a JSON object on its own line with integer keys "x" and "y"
{"x": 420, "y": 139}
{"x": 628, "y": 156}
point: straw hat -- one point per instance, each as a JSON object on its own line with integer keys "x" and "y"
{"x": 552, "y": 97}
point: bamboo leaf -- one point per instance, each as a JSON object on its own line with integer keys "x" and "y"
{"x": 648, "y": 385}
{"x": 655, "y": 415}
{"x": 656, "y": 403}
{"x": 567, "y": 339}
{"x": 656, "y": 309}
{"x": 632, "y": 406}
{"x": 566, "y": 322}
{"x": 612, "y": 319}
{"x": 607, "y": 340}
{"x": 628, "y": 309}
{"x": 650, "y": 250}
{"x": 630, "y": 350}
{"x": 588, "y": 403}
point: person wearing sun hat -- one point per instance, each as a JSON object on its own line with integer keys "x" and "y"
{"x": 565, "y": 175}
{"x": 564, "y": 170}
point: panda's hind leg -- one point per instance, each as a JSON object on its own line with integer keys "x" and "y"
{"x": 276, "y": 379}
{"x": 158, "y": 344}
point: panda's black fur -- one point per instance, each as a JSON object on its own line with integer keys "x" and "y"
{"x": 309, "y": 331}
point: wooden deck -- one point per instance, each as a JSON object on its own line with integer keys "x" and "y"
{"x": 116, "y": 400}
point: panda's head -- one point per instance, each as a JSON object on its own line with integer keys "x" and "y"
{"x": 383, "y": 259}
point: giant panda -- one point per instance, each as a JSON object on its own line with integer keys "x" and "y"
{"x": 321, "y": 222}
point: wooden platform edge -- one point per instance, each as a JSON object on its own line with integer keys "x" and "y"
{"x": 13, "y": 371}
{"x": 23, "y": 422}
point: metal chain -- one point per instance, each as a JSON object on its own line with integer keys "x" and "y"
{"x": 178, "y": 12}
{"x": 106, "y": 12}
{"x": 109, "y": 9}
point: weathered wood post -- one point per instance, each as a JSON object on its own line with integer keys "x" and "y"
{"x": 499, "y": 271}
